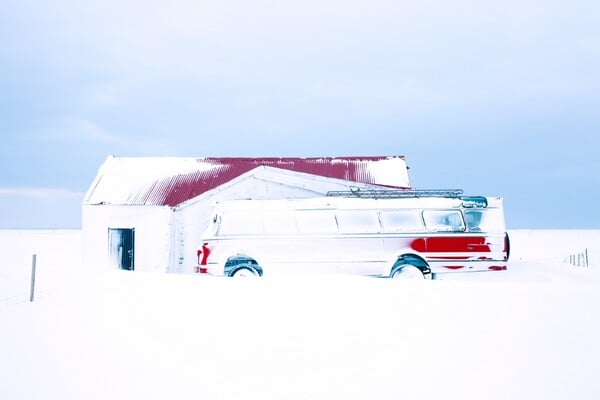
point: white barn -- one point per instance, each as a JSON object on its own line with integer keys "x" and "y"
{"x": 148, "y": 213}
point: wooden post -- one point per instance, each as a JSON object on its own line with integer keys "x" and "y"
{"x": 587, "y": 260}
{"x": 31, "y": 293}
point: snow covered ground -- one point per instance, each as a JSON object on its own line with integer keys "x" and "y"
{"x": 527, "y": 333}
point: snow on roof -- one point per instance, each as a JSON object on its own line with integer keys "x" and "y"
{"x": 169, "y": 181}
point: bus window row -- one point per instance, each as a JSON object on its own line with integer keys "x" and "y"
{"x": 359, "y": 221}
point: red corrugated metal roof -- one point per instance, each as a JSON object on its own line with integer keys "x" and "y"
{"x": 178, "y": 180}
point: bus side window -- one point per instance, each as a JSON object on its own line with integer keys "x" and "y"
{"x": 316, "y": 221}
{"x": 443, "y": 221}
{"x": 401, "y": 221}
{"x": 241, "y": 223}
{"x": 280, "y": 222}
{"x": 357, "y": 221}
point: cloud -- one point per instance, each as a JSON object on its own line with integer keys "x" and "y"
{"x": 138, "y": 38}
{"x": 81, "y": 130}
{"x": 88, "y": 130}
{"x": 382, "y": 50}
{"x": 90, "y": 136}
{"x": 40, "y": 193}
{"x": 567, "y": 171}
{"x": 406, "y": 92}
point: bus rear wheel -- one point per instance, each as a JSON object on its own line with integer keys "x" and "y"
{"x": 244, "y": 272}
{"x": 407, "y": 271}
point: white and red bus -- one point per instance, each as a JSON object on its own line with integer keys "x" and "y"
{"x": 386, "y": 233}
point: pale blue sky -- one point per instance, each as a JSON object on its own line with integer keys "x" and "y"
{"x": 497, "y": 98}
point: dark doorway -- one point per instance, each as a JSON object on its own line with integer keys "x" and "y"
{"x": 121, "y": 247}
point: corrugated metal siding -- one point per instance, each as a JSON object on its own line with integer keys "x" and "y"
{"x": 171, "y": 181}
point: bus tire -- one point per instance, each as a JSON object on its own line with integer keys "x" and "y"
{"x": 244, "y": 272}
{"x": 407, "y": 271}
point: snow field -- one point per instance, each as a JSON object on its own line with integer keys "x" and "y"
{"x": 529, "y": 332}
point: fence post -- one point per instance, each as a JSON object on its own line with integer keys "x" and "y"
{"x": 32, "y": 291}
{"x": 587, "y": 260}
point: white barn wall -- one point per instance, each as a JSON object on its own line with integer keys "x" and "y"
{"x": 152, "y": 234}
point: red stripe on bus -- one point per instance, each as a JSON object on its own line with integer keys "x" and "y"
{"x": 205, "y": 254}
{"x": 419, "y": 245}
{"x": 449, "y": 257}
{"x": 451, "y": 244}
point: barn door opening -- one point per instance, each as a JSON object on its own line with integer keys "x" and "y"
{"x": 121, "y": 247}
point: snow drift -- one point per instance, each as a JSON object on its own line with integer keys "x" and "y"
{"x": 529, "y": 332}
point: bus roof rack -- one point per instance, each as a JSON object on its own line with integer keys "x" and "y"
{"x": 396, "y": 193}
